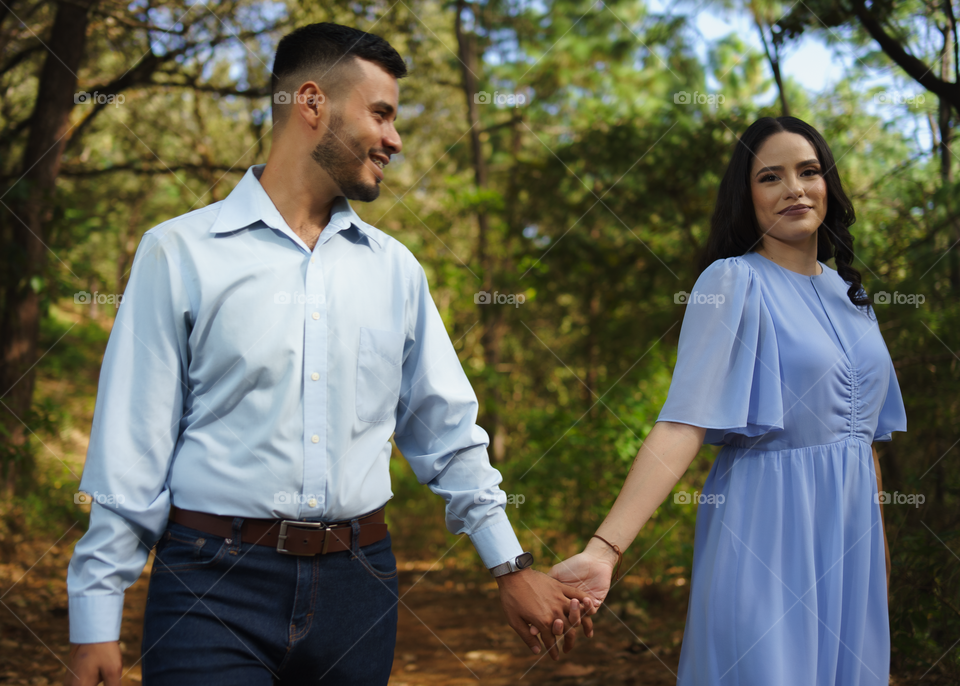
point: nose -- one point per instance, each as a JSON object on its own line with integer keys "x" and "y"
{"x": 391, "y": 140}
{"x": 795, "y": 192}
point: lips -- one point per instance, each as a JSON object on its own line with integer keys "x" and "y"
{"x": 379, "y": 162}
{"x": 795, "y": 210}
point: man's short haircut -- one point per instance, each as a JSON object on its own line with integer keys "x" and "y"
{"x": 326, "y": 53}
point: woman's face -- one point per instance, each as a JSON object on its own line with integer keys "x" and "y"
{"x": 788, "y": 189}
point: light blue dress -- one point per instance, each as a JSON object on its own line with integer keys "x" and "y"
{"x": 789, "y": 580}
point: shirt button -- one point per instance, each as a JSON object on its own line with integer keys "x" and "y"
{"x": 312, "y": 502}
{"x": 315, "y": 376}
{"x": 315, "y": 438}
{"x": 312, "y": 260}
{"x": 316, "y": 315}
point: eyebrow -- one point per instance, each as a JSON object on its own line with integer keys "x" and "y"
{"x": 779, "y": 167}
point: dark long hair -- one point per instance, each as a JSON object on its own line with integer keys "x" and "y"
{"x": 734, "y": 230}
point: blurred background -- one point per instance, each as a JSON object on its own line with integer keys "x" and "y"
{"x": 560, "y": 165}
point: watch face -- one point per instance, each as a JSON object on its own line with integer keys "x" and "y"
{"x": 525, "y": 560}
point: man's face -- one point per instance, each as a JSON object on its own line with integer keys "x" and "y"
{"x": 360, "y": 136}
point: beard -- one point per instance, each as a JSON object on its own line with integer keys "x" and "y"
{"x": 343, "y": 158}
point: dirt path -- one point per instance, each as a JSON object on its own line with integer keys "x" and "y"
{"x": 451, "y": 630}
{"x": 454, "y": 632}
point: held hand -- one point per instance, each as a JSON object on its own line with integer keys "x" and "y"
{"x": 587, "y": 573}
{"x": 92, "y": 663}
{"x": 536, "y": 605}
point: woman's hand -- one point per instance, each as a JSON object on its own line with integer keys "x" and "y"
{"x": 590, "y": 572}
{"x": 665, "y": 455}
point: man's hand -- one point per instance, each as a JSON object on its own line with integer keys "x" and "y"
{"x": 537, "y": 605}
{"x": 92, "y": 663}
{"x": 589, "y": 572}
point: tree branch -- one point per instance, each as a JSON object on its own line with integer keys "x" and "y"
{"x": 77, "y": 172}
{"x": 914, "y": 67}
{"x": 134, "y": 24}
{"x": 19, "y": 57}
{"x": 142, "y": 74}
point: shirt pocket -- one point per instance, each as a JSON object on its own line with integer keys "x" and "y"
{"x": 379, "y": 373}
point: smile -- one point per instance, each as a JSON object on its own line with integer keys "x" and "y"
{"x": 795, "y": 209}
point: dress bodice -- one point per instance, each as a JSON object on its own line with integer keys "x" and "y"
{"x": 773, "y": 359}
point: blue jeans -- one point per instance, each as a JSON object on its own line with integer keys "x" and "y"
{"x": 224, "y": 611}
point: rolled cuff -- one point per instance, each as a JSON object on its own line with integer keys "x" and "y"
{"x": 95, "y": 618}
{"x": 497, "y": 542}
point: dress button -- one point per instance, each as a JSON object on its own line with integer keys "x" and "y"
{"x": 312, "y": 502}
{"x": 316, "y": 315}
{"x": 315, "y": 438}
{"x": 315, "y": 376}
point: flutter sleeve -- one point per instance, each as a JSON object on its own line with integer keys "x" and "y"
{"x": 727, "y": 376}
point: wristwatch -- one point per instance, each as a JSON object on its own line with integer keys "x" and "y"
{"x": 522, "y": 561}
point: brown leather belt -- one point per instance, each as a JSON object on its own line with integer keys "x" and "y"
{"x": 289, "y": 536}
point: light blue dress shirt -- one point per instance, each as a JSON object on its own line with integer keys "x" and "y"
{"x": 248, "y": 375}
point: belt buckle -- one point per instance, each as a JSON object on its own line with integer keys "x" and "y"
{"x": 282, "y": 537}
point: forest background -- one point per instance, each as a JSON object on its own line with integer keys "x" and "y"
{"x": 560, "y": 156}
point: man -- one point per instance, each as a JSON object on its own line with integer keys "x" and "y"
{"x": 267, "y": 348}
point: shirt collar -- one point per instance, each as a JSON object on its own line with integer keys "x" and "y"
{"x": 248, "y": 203}
{"x": 342, "y": 216}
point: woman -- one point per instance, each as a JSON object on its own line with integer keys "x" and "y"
{"x": 786, "y": 368}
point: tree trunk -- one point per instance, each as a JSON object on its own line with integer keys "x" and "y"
{"x": 468, "y": 69}
{"x": 489, "y": 314}
{"x": 29, "y": 208}
{"x": 946, "y": 168}
{"x": 127, "y": 244}
{"x": 591, "y": 396}
{"x": 774, "y": 60}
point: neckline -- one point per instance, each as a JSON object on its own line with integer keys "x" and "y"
{"x": 823, "y": 267}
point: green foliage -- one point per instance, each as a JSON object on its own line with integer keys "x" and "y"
{"x": 599, "y": 198}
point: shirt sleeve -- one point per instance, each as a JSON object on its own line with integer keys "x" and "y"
{"x": 727, "y": 376}
{"x": 437, "y": 433}
{"x": 136, "y": 425}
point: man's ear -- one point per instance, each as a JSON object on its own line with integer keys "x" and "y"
{"x": 309, "y": 104}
